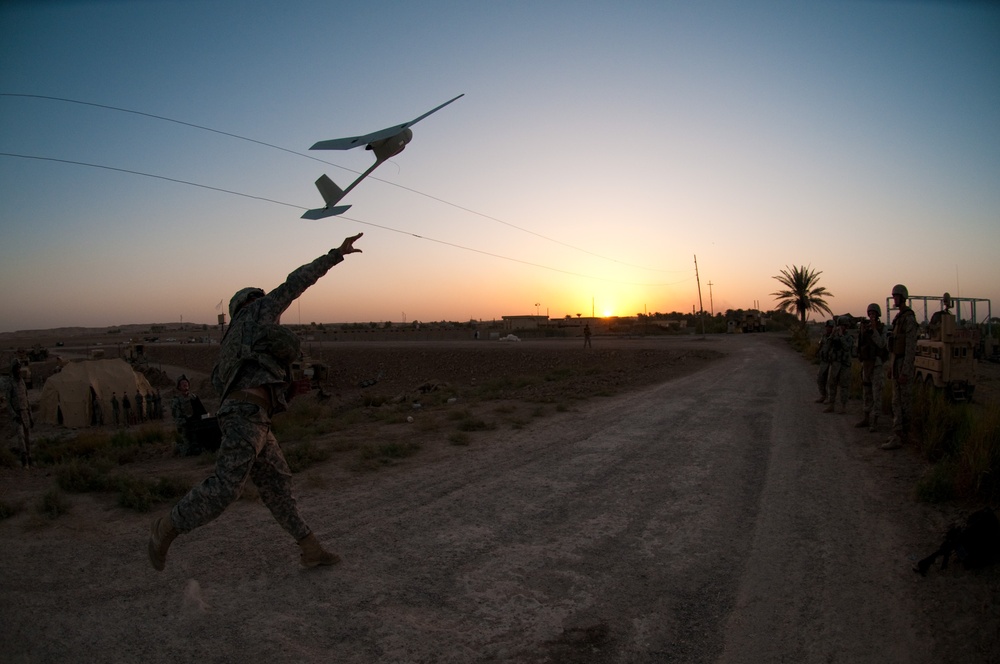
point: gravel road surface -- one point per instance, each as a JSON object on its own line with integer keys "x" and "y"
{"x": 717, "y": 517}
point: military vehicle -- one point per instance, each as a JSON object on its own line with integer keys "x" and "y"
{"x": 946, "y": 358}
{"x": 747, "y": 321}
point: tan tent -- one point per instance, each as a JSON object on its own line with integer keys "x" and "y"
{"x": 68, "y": 396}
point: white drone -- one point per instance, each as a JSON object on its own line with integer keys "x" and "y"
{"x": 386, "y": 143}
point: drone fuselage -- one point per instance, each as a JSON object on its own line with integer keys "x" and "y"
{"x": 388, "y": 148}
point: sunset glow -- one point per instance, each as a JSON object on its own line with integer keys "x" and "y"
{"x": 584, "y": 170}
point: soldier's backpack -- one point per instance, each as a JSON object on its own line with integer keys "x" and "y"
{"x": 268, "y": 344}
{"x": 976, "y": 544}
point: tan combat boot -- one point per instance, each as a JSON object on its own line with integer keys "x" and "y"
{"x": 874, "y": 425}
{"x": 865, "y": 421}
{"x": 161, "y": 535}
{"x": 829, "y": 408}
{"x": 314, "y": 554}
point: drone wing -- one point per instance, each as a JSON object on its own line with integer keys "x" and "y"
{"x": 356, "y": 141}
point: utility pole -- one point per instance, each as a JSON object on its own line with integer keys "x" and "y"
{"x": 710, "y": 302}
{"x": 700, "y": 306}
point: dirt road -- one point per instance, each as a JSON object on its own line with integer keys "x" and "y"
{"x": 719, "y": 517}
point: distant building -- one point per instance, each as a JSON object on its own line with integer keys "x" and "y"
{"x": 511, "y": 323}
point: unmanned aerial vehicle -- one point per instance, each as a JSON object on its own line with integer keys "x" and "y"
{"x": 386, "y": 143}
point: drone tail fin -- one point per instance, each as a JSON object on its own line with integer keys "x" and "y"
{"x": 331, "y": 195}
{"x": 330, "y": 192}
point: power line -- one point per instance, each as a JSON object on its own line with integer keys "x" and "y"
{"x": 323, "y": 161}
{"x": 359, "y": 221}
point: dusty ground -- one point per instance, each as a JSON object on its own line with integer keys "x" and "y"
{"x": 653, "y": 500}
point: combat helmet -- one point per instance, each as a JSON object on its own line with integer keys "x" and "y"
{"x": 844, "y": 320}
{"x": 874, "y": 307}
{"x": 900, "y": 289}
{"x": 241, "y": 298}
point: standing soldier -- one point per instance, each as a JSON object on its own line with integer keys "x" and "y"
{"x": 126, "y": 409}
{"x": 901, "y": 367}
{"x": 187, "y": 410}
{"x": 824, "y": 361}
{"x": 139, "y": 417}
{"x": 841, "y": 355}
{"x": 872, "y": 351}
{"x": 115, "y": 412}
{"x": 20, "y": 410}
{"x": 253, "y": 378}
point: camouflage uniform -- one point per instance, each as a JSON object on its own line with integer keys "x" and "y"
{"x": 249, "y": 448}
{"x": 20, "y": 410}
{"x": 824, "y": 361}
{"x": 901, "y": 364}
{"x": 126, "y": 409}
{"x": 871, "y": 347}
{"x": 841, "y": 356}
{"x": 184, "y": 408}
{"x": 115, "y": 412}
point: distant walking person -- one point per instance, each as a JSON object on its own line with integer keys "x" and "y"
{"x": 586, "y": 335}
{"x": 872, "y": 351}
{"x": 902, "y": 367}
{"x": 253, "y": 377}
{"x": 20, "y": 411}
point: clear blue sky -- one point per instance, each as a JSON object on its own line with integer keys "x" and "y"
{"x": 599, "y": 147}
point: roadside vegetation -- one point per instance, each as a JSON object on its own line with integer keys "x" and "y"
{"x": 961, "y": 441}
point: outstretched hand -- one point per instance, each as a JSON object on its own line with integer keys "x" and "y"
{"x": 348, "y": 245}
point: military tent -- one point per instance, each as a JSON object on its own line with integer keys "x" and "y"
{"x": 69, "y": 397}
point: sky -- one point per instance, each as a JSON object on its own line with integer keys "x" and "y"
{"x": 600, "y": 148}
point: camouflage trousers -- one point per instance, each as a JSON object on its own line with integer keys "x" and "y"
{"x": 822, "y": 376}
{"x": 840, "y": 378}
{"x": 872, "y": 379}
{"x": 249, "y": 451}
{"x": 902, "y": 406}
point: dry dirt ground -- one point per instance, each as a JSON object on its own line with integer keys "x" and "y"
{"x": 661, "y": 500}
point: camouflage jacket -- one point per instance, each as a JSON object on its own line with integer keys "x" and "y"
{"x": 183, "y": 408}
{"x": 17, "y": 396}
{"x": 904, "y": 342}
{"x": 824, "y": 348}
{"x": 244, "y": 359}
{"x": 842, "y": 349}
{"x": 872, "y": 343}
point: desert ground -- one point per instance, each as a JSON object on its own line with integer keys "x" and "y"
{"x": 674, "y": 499}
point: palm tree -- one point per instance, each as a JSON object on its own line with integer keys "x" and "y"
{"x": 803, "y": 294}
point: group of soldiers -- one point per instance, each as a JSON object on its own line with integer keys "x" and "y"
{"x": 128, "y": 412}
{"x": 186, "y": 408}
{"x": 883, "y": 354}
